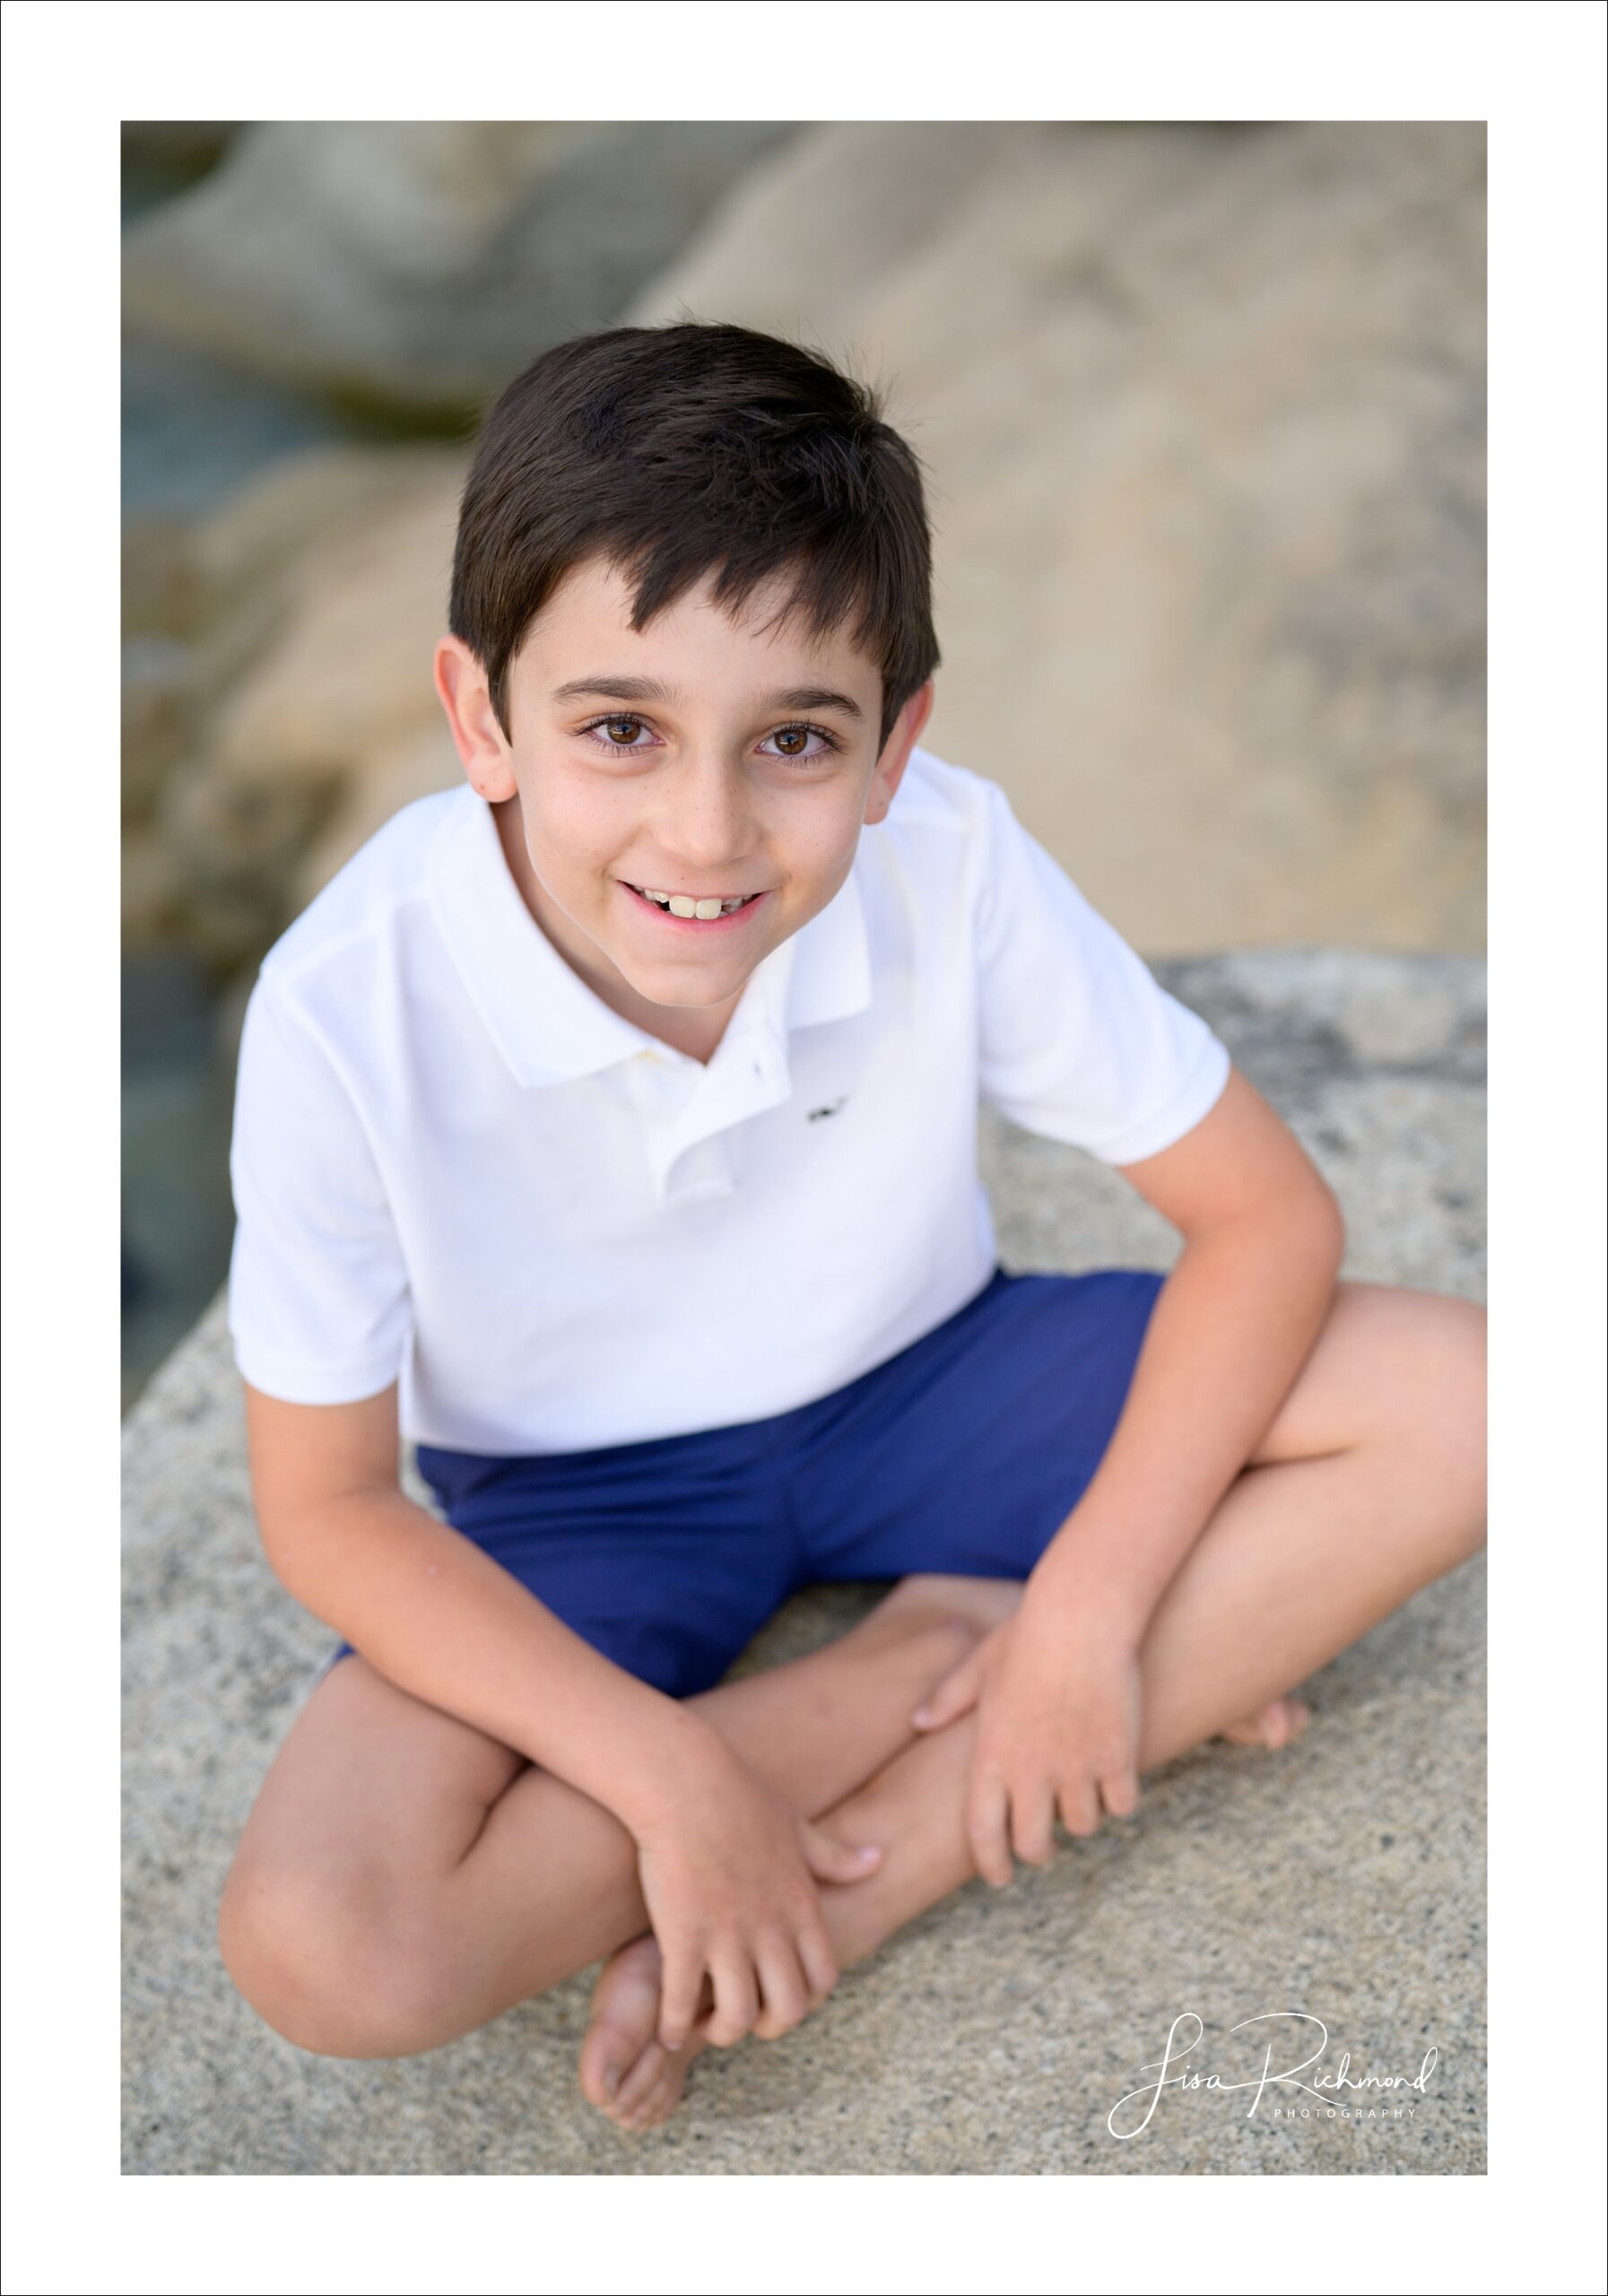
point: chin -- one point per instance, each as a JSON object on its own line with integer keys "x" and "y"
{"x": 674, "y": 989}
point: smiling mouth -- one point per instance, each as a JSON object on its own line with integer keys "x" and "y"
{"x": 705, "y": 907}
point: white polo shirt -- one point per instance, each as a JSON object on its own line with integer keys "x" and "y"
{"x": 453, "y": 1166}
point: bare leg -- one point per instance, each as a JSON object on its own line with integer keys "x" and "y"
{"x": 403, "y": 1877}
{"x": 397, "y": 1947}
{"x": 1303, "y": 1556}
{"x": 623, "y": 2069}
{"x": 1369, "y": 1486}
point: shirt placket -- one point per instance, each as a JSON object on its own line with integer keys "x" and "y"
{"x": 691, "y": 1150}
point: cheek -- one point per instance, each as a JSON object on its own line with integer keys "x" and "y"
{"x": 825, "y": 847}
{"x": 567, "y": 827}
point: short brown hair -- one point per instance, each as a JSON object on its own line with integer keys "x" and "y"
{"x": 668, "y": 450}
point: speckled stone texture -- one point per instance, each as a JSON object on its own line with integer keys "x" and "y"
{"x": 1344, "y": 1877}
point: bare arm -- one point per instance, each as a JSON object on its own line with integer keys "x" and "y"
{"x": 1232, "y": 1326}
{"x": 1058, "y": 1685}
{"x": 440, "y": 1619}
{"x": 727, "y": 1870}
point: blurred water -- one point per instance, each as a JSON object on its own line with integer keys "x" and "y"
{"x": 178, "y": 1217}
{"x": 193, "y": 431}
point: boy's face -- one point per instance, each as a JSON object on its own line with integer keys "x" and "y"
{"x": 745, "y": 775}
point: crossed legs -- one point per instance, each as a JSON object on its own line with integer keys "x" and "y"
{"x": 402, "y": 1878}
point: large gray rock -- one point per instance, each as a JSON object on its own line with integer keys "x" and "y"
{"x": 1207, "y": 465}
{"x": 1344, "y": 1877}
{"x": 1203, "y": 408}
{"x": 277, "y": 703}
{"x": 419, "y": 264}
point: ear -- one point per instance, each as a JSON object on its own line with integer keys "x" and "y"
{"x": 483, "y": 749}
{"x": 896, "y": 751}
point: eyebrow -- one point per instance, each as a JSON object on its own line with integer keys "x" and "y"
{"x": 602, "y": 687}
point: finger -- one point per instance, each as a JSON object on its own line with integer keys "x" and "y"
{"x": 737, "y": 1994}
{"x": 987, "y": 1808}
{"x": 1033, "y": 1824}
{"x": 784, "y": 1996}
{"x": 832, "y": 1859}
{"x": 952, "y": 1696}
{"x": 681, "y": 1981}
{"x": 1080, "y": 1809}
{"x": 1120, "y": 1793}
{"x": 820, "y": 1962}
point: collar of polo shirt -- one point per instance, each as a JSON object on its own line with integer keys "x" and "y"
{"x": 549, "y": 1026}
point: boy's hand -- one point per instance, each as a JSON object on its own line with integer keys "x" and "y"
{"x": 728, "y": 1875}
{"x": 1058, "y": 1694}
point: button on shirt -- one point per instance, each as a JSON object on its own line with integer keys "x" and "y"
{"x": 455, "y": 1167}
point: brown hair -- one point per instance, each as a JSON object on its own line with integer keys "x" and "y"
{"x": 670, "y": 450}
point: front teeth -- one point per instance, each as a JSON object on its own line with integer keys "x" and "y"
{"x": 679, "y": 905}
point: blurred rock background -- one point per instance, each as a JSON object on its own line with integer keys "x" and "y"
{"x": 1201, "y": 409}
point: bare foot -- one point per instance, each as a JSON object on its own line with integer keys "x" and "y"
{"x": 1280, "y": 1721}
{"x": 621, "y": 2037}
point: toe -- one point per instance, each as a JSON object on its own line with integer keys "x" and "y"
{"x": 1287, "y": 1717}
{"x": 1272, "y": 1725}
{"x": 607, "y": 2048}
{"x": 656, "y": 2109}
{"x": 625, "y": 2006}
{"x": 646, "y": 2112}
{"x": 641, "y": 2080}
{"x": 659, "y": 2097}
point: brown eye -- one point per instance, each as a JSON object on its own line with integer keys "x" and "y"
{"x": 795, "y": 736}
{"x": 611, "y": 723}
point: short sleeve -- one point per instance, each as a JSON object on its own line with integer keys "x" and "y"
{"x": 318, "y": 1305}
{"x": 1077, "y": 1039}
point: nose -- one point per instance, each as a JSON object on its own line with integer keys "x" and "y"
{"x": 707, "y": 825}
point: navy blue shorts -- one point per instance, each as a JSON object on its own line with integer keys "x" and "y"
{"x": 964, "y": 1452}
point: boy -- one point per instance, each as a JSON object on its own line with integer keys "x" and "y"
{"x": 606, "y": 1127}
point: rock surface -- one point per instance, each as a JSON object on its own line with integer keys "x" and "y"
{"x": 1207, "y": 474}
{"x": 1202, "y": 411}
{"x": 277, "y": 701}
{"x": 1344, "y": 1877}
{"x": 419, "y": 264}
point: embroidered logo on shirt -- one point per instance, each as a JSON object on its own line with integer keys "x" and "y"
{"x": 831, "y": 1110}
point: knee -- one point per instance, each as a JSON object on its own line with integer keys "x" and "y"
{"x": 322, "y": 1970}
